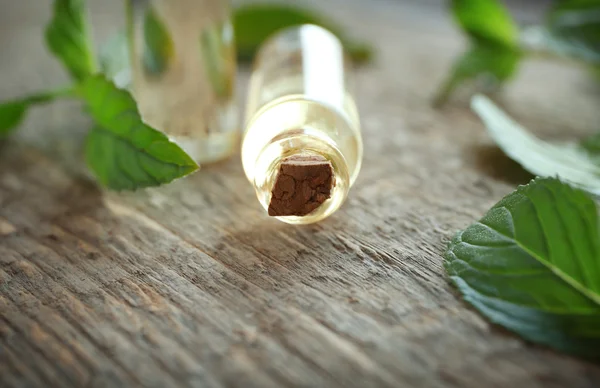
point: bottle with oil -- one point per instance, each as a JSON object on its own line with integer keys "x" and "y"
{"x": 302, "y": 146}
{"x": 183, "y": 66}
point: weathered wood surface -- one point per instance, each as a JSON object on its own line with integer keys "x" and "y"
{"x": 192, "y": 285}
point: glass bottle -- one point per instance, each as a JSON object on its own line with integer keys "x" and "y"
{"x": 299, "y": 107}
{"x": 183, "y": 72}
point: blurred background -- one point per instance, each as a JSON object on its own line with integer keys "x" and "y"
{"x": 428, "y": 171}
{"x": 414, "y": 44}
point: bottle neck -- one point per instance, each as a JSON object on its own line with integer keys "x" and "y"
{"x": 301, "y": 144}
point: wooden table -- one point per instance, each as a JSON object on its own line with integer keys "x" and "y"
{"x": 192, "y": 285}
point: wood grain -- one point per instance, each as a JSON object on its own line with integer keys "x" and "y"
{"x": 192, "y": 284}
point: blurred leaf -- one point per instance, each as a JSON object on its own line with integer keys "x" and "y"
{"x": 159, "y": 49}
{"x": 532, "y": 265}
{"x": 254, "y": 23}
{"x": 486, "y": 21}
{"x": 495, "y": 63}
{"x": 494, "y": 51}
{"x": 122, "y": 151}
{"x": 68, "y": 38}
{"x": 572, "y": 29}
{"x": 592, "y": 145}
{"x": 574, "y": 26}
{"x": 595, "y": 70}
{"x": 218, "y": 53}
{"x": 567, "y": 161}
{"x": 13, "y": 112}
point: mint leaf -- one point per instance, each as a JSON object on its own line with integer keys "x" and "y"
{"x": 486, "y": 20}
{"x": 568, "y": 161}
{"x": 254, "y": 23}
{"x": 572, "y": 29}
{"x": 592, "y": 145}
{"x": 68, "y": 38}
{"x": 575, "y": 28}
{"x": 494, "y": 62}
{"x": 13, "y": 112}
{"x": 595, "y": 70}
{"x": 122, "y": 151}
{"x": 494, "y": 51}
{"x": 159, "y": 49}
{"x": 532, "y": 265}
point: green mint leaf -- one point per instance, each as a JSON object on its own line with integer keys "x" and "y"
{"x": 486, "y": 21}
{"x": 11, "y": 115}
{"x": 159, "y": 49}
{"x": 491, "y": 62}
{"x": 122, "y": 151}
{"x": 254, "y": 23}
{"x": 574, "y": 27}
{"x": 218, "y": 53}
{"x": 532, "y": 265}
{"x": 68, "y": 38}
{"x": 595, "y": 70}
{"x": 592, "y": 145}
{"x": 494, "y": 51}
{"x": 567, "y": 161}
{"x": 13, "y": 112}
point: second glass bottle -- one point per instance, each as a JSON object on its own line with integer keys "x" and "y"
{"x": 183, "y": 72}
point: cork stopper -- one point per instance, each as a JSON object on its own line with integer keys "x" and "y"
{"x": 302, "y": 184}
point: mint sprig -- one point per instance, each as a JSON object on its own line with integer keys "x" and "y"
{"x": 122, "y": 151}
{"x": 12, "y": 113}
{"x": 532, "y": 265}
{"x": 494, "y": 53}
{"x": 592, "y": 145}
{"x": 69, "y": 39}
{"x": 571, "y": 29}
{"x": 574, "y": 29}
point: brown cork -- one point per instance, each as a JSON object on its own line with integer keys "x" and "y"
{"x": 302, "y": 184}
